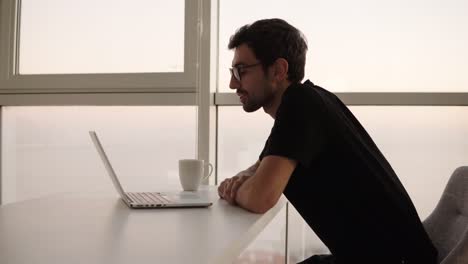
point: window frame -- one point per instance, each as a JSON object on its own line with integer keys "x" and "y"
{"x": 12, "y": 82}
{"x": 377, "y": 99}
{"x": 194, "y": 87}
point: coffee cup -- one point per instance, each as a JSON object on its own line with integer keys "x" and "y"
{"x": 192, "y": 172}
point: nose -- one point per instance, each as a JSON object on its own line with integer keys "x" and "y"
{"x": 234, "y": 83}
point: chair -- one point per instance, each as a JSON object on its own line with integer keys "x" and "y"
{"x": 447, "y": 225}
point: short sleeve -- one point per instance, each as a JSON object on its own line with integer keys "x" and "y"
{"x": 300, "y": 131}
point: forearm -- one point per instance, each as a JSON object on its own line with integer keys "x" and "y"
{"x": 253, "y": 199}
{"x": 228, "y": 188}
{"x": 261, "y": 191}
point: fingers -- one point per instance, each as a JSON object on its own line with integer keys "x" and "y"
{"x": 238, "y": 184}
{"x": 228, "y": 188}
{"x": 220, "y": 191}
{"x": 233, "y": 187}
{"x": 224, "y": 187}
{"x": 221, "y": 188}
{"x": 227, "y": 191}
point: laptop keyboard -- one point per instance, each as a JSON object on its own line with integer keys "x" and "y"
{"x": 148, "y": 198}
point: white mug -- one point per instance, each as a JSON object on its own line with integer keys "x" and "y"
{"x": 192, "y": 172}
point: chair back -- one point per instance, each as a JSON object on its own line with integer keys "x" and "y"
{"x": 447, "y": 225}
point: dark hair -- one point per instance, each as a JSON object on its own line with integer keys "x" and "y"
{"x": 271, "y": 39}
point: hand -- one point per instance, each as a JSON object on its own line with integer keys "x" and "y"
{"x": 227, "y": 190}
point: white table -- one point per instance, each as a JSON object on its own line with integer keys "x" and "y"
{"x": 95, "y": 228}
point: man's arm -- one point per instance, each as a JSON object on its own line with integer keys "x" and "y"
{"x": 261, "y": 191}
{"x": 258, "y": 188}
{"x": 228, "y": 188}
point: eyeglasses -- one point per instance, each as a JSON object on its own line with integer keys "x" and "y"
{"x": 237, "y": 70}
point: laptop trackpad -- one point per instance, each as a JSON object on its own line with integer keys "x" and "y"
{"x": 186, "y": 197}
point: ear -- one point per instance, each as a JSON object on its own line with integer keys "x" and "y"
{"x": 281, "y": 67}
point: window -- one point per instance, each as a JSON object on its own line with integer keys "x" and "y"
{"x": 53, "y": 46}
{"x": 242, "y": 137}
{"x": 367, "y": 46}
{"x": 424, "y": 144}
{"x": 72, "y": 37}
{"x": 47, "y": 149}
{"x": 119, "y": 60}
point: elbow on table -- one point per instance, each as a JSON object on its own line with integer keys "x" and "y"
{"x": 262, "y": 206}
{"x": 260, "y": 210}
{"x": 256, "y": 201}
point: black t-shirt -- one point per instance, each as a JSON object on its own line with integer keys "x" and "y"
{"x": 343, "y": 186}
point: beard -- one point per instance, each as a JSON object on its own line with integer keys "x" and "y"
{"x": 250, "y": 107}
{"x": 253, "y": 102}
{"x": 250, "y": 103}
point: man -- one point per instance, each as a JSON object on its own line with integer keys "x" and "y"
{"x": 319, "y": 156}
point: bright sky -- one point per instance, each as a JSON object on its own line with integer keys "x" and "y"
{"x": 360, "y": 45}
{"x": 101, "y": 36}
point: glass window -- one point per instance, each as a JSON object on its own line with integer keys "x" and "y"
{"x": 423, "y": 144}
{"x": 87, "y": 36}
{"x": 241, "y": 138}
{"x": 48, "y": 150}
{"x": 366, "y": 46}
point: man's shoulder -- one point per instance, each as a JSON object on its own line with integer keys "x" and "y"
{"x": 300, "y": 92}
{"x": 307, "y": 90}
{"x": 310, "y": 96}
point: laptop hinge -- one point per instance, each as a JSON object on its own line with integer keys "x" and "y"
{"x": 128, "y": 199}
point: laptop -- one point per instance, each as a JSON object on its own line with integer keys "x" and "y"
{"x": 149, "y": 199}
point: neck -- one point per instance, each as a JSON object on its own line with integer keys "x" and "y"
{"x": 272, "y": 107}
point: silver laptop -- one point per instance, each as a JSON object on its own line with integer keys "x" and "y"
{"x": 149, "y": 199}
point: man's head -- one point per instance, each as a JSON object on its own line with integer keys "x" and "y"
{"x": 268, "y": 54}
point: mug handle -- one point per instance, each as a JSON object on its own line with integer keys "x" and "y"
{"x": 209, "y": 173}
